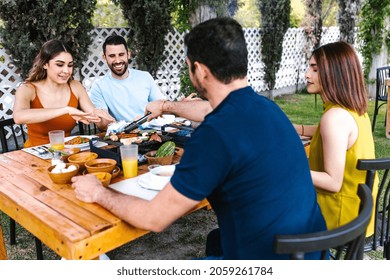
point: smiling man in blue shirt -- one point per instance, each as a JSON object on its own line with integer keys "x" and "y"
{"x": 124, "y": 92}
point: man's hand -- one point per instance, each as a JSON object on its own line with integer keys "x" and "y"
{"x": 88, "y": 188}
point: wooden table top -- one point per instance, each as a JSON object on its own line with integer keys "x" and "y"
{"x": 71, "y": 228}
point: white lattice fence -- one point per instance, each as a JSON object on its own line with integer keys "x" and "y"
{"x": 291, "y": 72}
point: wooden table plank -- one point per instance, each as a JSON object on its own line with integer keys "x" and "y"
{"x": 36, "y": 217}
{"x": 86, "y": 219}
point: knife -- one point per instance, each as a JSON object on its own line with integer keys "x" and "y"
{"x": 135, "y": 124}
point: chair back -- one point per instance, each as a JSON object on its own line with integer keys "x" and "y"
{"x": 382, "y": 73}
{"x": 88, "y": 129}
{"x": 17, "y": 133}
{"x": 382, "y": 209}
{"x": 347, "y": 241}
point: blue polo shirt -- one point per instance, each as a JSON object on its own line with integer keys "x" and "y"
{"x": 248, "y": 160}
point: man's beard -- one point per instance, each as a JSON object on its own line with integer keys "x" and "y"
{"x": 121, "y": 73}
{"x": 202, "y": 92}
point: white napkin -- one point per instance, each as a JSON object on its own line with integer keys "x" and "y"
{"x": 131, "y": 187}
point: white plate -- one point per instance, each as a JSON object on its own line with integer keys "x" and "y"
{"x": 144, "y": 181}
{"x": 79, "y": 145}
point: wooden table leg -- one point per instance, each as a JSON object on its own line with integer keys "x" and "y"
{"x": 3, "y": 252}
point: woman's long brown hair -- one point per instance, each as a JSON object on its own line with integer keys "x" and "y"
{"x": 341, "y": 76}
{"x": 48, "y": 51}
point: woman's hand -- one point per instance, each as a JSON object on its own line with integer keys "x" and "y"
{"x": 190, "y": 97}
{"x": 103, "y": 114}
{"x": 80, "y": 116}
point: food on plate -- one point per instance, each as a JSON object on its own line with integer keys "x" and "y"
{"x": 114, "y": 137}
{"x": 136, "y": 140}
{"x": 137, "y": 137}
{"x": 77, "y": 140}
{"x": 155, "y": 137}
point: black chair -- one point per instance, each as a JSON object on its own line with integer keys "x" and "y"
{"x": 382, "y": 209}
{"x": 346, "y": 242}
{"x": 88, "y": 129}
{"x": 381, "y": 91}
{"x": 18, "y": 137}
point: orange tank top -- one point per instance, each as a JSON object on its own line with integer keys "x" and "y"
{"x": 38, "y": 132}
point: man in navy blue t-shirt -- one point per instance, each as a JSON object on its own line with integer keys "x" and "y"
{"x": 245, "y": 158}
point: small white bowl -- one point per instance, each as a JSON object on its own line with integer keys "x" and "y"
{"x": 161, "y": 175}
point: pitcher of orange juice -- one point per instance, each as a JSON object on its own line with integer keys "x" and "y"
{"x": 129, "y": 157}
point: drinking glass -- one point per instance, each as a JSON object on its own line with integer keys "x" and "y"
{"x": 129, "y": 157}
{"x": 57, "y": 138}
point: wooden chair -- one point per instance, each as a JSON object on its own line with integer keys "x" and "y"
{"x": 382, "y": 208}
{"x": 8, "y": 126}
{"x": 346, "y": 242}
{"x": 382, "y": 73}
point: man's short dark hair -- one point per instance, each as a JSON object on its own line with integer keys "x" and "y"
{"x": 219, "y": 44}
{"x": 114, "y": 40}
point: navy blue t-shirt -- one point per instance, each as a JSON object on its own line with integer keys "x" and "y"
{"x": 248, "y": 160}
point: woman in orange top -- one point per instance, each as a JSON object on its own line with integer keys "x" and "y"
{"x": 49, "y": 98}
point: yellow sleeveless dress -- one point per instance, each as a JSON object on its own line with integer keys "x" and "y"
{"x": 342, "y": 207}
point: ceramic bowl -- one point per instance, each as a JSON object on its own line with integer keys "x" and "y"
{"x": 161, "y": 175}
{"x": 103, "y": 177}
{"x": 150, "y": 156}
{"x": 63, "y": 177}
{"x": 100, "y": 165}
{"x": 82, "y": 158}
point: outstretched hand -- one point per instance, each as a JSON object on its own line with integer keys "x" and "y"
{"x": 155, "y": 108}
{"x": 103, "y": 114}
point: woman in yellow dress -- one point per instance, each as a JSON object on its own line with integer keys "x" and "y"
{"x": 343, "y": 135}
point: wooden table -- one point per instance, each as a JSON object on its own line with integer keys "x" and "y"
{"x": 71, "y": 228}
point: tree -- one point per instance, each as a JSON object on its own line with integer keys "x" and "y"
{"x": 275, "y": 20}
{"x": 373, "y": 32}
{"x": 188, "y": 13}
{"x": 30, "y": 23}
{"x": 347, "y": 18}
{"x": 313, "y": 24}
{"x": 108, "y": 14}
{"x": 149, "y": 21}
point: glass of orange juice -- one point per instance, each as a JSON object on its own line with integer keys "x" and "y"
{"x": 129, "y": 157}
{"x": 57, "y": 138}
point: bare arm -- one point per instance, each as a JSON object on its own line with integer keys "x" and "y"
{"x": 103, "y": 118}
{"x": 154, "y": 215}
{"x": 305, "y": 130}
{"x": 338, "y": 132}
{"x": 194, "y": 110}
{"x": 23, "y": 114}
